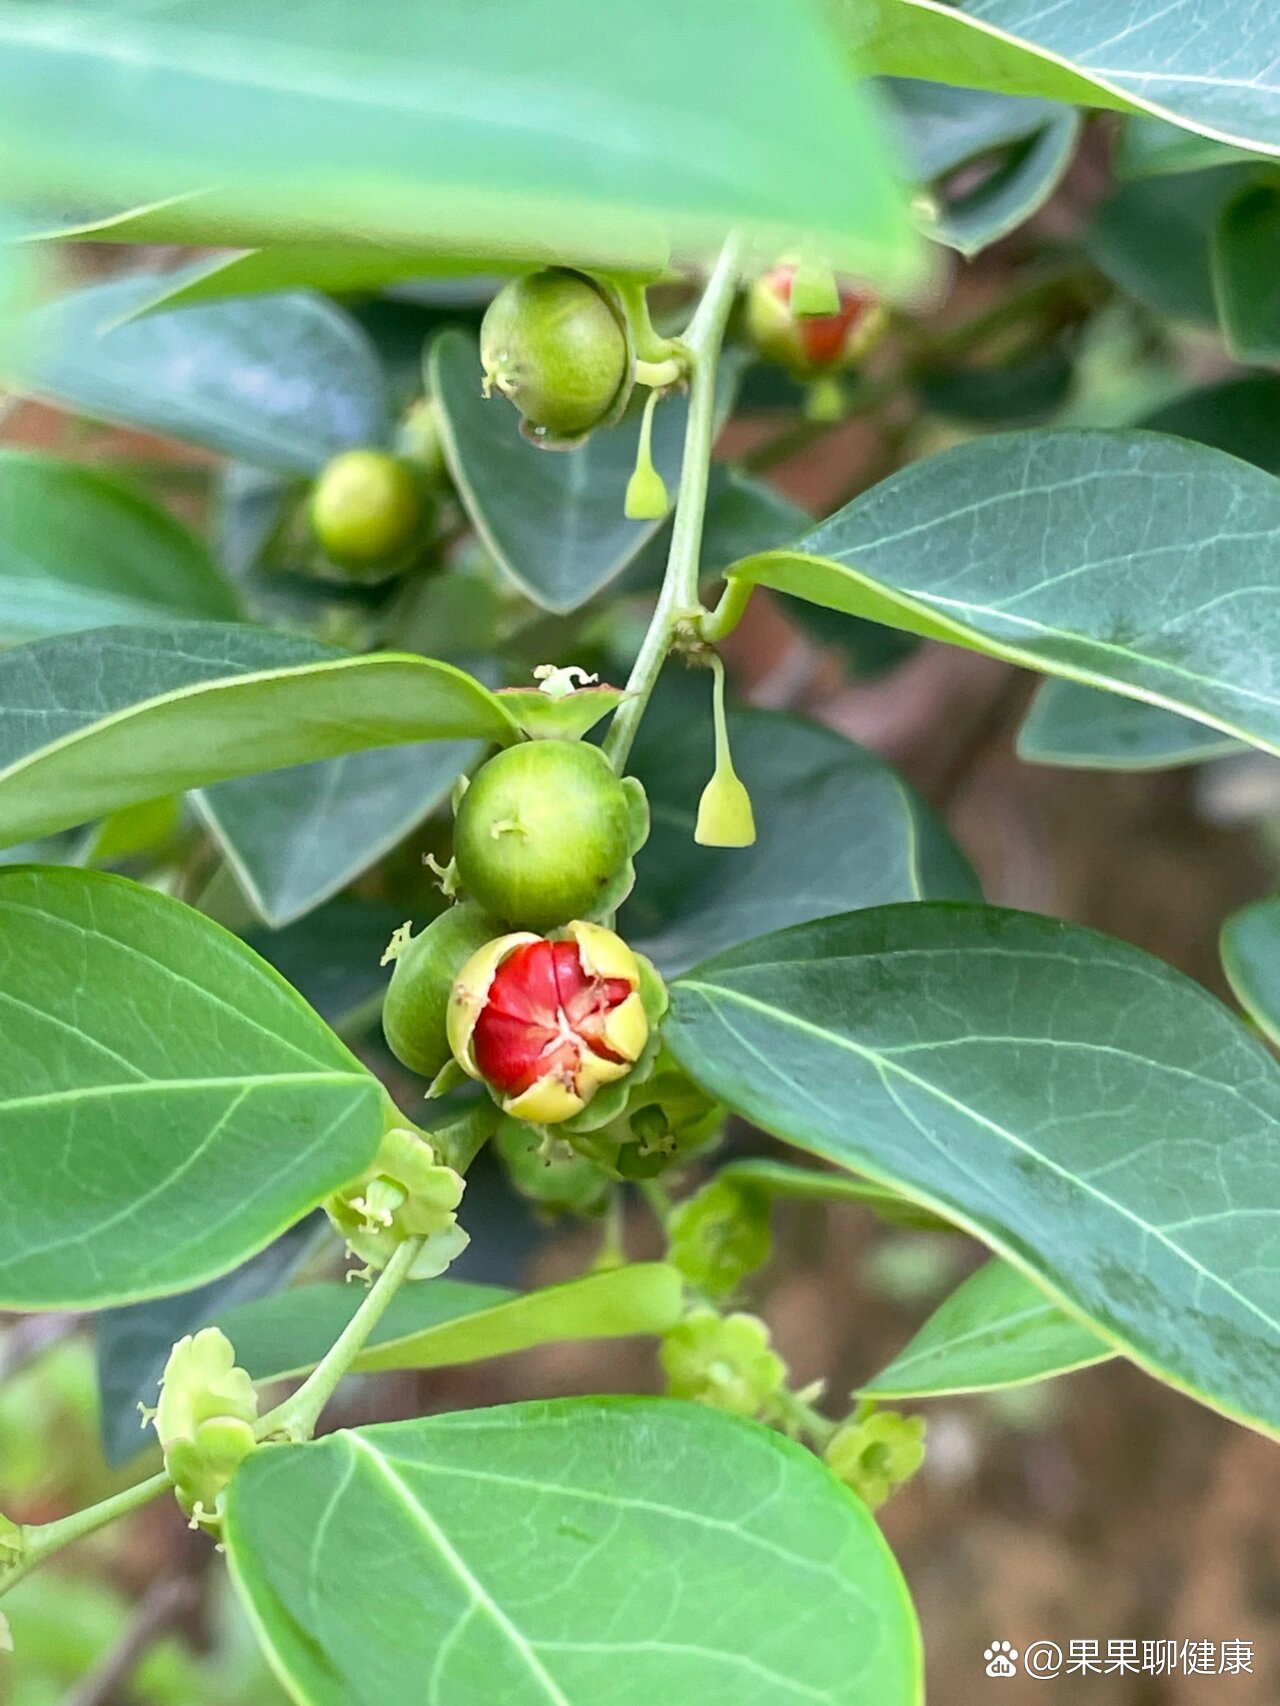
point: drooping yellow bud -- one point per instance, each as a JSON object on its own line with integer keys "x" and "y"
{"x": 646, "y": 498}
{"x": 725, "y": 817}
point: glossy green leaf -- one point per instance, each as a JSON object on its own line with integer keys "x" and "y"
{"x": 750, "y": 1574}
{"x": 94, "y": 721}
{"x": 836, "y": 827}
{"x": 332, "y": 956}
{"x": 995, "y": 1330}
{"x": 1240, "y": 416}
{"x": 295, "y": 837}
{"x": 1123, "y": 560}
{"x": 1246, "y": 273}
{"x": 408, "y": 126}
{"x": 336, "y": 269}
{"x": 168, "y": 1105}
{"x": 1097, "y": 1119}
{"x": 1083, "y": 728}
{"x": 553, "y": 518}
{"x": 1025, "y": 146}
{"x": 134, "y": 1342}
{"x": 809, "y": 1184}
{"x": 1251, "y": 960}
{"x": 285, "y": 382}
{"x": 1028, "y": 386}
{"x": 1149, "y": 147}
{"x": 1154, "y": 238}
{"x": 81, "y": 550}
{"x": 1205, "y": 64}
{"x": 441, "y": 1323}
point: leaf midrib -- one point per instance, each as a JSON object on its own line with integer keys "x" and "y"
{"x": 167, "y": 1086}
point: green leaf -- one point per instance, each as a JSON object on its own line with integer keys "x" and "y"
{"x": 332, "y": 957}
{"x": 408, "y": 126}
{"x": 134, "y": 1342}
{"x": 837, "y": 828}
{"x": 1240, "y": 416}
{"x": 1097, "y": 1119}
{"x": 337, "y": 269}
{"x": 1026, "y": 146}
{"x": 1082, "y": 728}
{"x": 80, "y": 550}
{"x": 442, "y": 1323}
{"x": 738, "y": 1568}
{"x": 995, "y": 1330}
{"x": 569, "y": 718}
{"x": 1027, "y": 387}
{"x": 1251, "y": 959}
{"x": 1154, "y": 239}
{"x": 286, "y": 382}
{"x": 168, "y": 1105}
{"x": 1246, "y": 273}
{"x": 1122, "y": 560}
{"x": 98, "y": 720}
{"x": 553, "y": 518}
{"x": 1205, "y": 64}
{"x": 295, "y": 837}
{"x": 1149, "y": 147}
{"x": 808, "y": 1184}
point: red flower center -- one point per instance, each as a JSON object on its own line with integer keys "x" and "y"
{"x": 823, "y": 335}
{"x": 543, "y": 1010}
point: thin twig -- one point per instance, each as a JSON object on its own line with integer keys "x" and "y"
{"x": 163, "y": 1603}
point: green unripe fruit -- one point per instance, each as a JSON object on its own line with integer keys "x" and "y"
{"x": 543, "y": 831}
{"x": 556, "y": 345}
{"x": 426, "y": 966}
{"x": 367, "y": 508}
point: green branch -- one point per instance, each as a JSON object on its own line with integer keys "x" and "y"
{"x": 296, "y": 1418}
{"x": 678, "y": 601}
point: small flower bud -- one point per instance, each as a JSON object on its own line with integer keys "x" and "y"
{"x": 722, "y": 1360}
{"x": 719, "y": 1236}
{"x": 406, "y": 1193}
{"x": 876, "y": 1453}
{"x": 806, "y": 343}
{"x": 545, "y": 1024}
{"x": 204, "y": 1420}
{"x": 814, "y": 292}
{"x": 646, "y": 498}
{"x": 725, "y": 817}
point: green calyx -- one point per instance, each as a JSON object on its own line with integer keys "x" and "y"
{"x": 368, "y": 509}
{"x": 557, "y": 345}
{"x": 720, "y": 1235}
{"x": 876, "y": 1452}
{"x": 725, "y": 1361}
{"x": 546, "y": 832}
{"x": 425, "y": 967}
{"x": 407, "y": 1193}
{"x": 653, "y": 1121}
{"x": 543, "y": 1168}
{"x": 205, "y": 1422}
